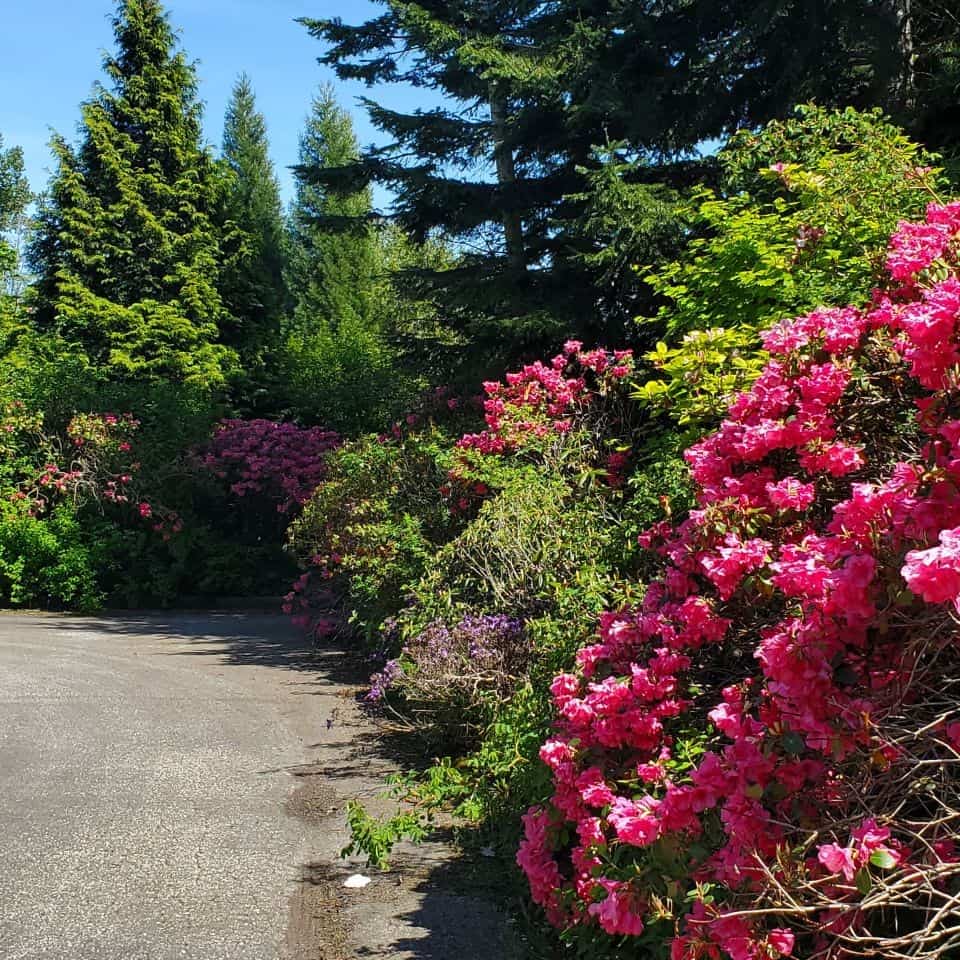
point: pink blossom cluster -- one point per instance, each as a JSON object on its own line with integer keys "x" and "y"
{"x": 307, "y": 595}
{"x": 281, "y": 462}
{"x": 541, "y": 402}
{"x": 93, "y": 462}
{"x": 791, "y": 580}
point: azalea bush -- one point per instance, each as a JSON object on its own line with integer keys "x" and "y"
{"x": 571, "y": 417}
{"x": 543, "y": 541}
{"x": 278, "y": 464}
{"x": 228, "y": 500}
{"x": 762, "y": 758}
{"x": 48, "y": 481}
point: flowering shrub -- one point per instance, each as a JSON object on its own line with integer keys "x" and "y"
{"x": 46, "y": 558}
{"x": 93, "y": 461}
{"x": 548, "y": 412}
{"x": 762, "y": 759}
{"x": 447, "y": 675}
{"x": 803, "y": 216}
{"x": 375, "y": 523}
{"x": 278, "y": 462}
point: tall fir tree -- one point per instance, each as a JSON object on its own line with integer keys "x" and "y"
{"x": 507, "y": 165}
{"x": 252, "y": 281}
{"x": 334, "y": 254}
{"x": 461, "y": 169}
{"x": 339, "y": 364}
{"x": 14, "y": 199}
{"x": 127, "y": 251}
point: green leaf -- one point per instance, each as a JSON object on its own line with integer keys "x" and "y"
{"x": 883, "y": 859}
{"x": 864, "y": 881}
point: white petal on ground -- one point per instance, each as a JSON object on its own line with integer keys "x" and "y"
{"x": 356, "y": 882}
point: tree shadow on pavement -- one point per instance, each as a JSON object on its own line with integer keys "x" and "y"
{"x": 431, "y": 906}
{"x": 242, "y": 639}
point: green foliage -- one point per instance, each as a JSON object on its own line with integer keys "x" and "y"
{"x": 695, "y": 380}
{"x": 779, "y": 240}
{"x": 14, "y": 197}
{"x": 344, "y": 376}
{"x": 252, "y": 283}
{"x": 376, "y": 838}
{"x": 337, "y": 365}
{"x": 126, "y": 250}
{"x": 333, "y": 271}
{"x": 507, "y": 165}
{"x": 375, "y": 524}
{"x": 47, "y": 562}
{"x": 534, "y": 541}
{"x": 624, "y": 222}
{"x": 803, "y": 219}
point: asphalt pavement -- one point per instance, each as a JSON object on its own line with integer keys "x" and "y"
{"x": 173, "y": 787}
{"x": 144, "y": 768}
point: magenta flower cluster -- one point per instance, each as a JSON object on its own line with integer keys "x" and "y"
{"x": 281, "y": 462}
{"x": 541, "y": 401}
{"x": 796, "y": 579}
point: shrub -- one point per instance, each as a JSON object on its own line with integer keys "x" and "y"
{"x": 542, "y": 546}
{"x": 376, "y": 522}
{"x": 802, "y": 218}
{"x": 344, "y": 375}
{"x": 279, "y": 464}
{"x": 47, "y": 562}
{"x": 455, "y": 676}
{"x": 761, "y": 759}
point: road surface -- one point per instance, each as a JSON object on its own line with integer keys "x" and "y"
{"x": 173, "y": 788}
{"x": 143, "y": 776}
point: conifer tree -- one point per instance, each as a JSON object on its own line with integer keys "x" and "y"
{"x": 127, "y": 252}
{"x": 340, "y": 367}
{"x": 333, "y": 258}
{"x": 14, "y": 198}
{"x": 474, "y": 170}
{"x": 508, "y": 164}
{"x": 252, "y": 281}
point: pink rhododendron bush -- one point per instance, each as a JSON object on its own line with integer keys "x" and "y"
{"x": 278, "y": 462}
{"x": 763, "y": 760}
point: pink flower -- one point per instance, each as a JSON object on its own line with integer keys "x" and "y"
{"x": 617, "y": 913}
{"x": 634, "y": 822}
{"x": 782, "y": 941}
{"x": 837, "y": 860}
{"x": 934, "y": 574}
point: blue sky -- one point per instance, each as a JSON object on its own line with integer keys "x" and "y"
{"x": 51, "y": 53}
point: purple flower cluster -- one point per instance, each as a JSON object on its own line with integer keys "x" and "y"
{"x": 492, "y": 647}
{"x": 279, "y": 461}
{"x": 381, "y": 682}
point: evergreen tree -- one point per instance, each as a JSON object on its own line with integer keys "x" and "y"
{"x": 252, "y": 282}
{"x": 340, "y": 366}
{"x": 334, "y": 258}
{"x": 508, "y": 167}
{"x": 14, "y": 198}
{"x": 468, "y": 170}
{"x": 127, "y": 252}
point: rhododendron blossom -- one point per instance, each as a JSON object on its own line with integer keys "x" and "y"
{"x": 802, "y": 604}
{"x": 279, "y": 461}
{"x": 537, "y": 405}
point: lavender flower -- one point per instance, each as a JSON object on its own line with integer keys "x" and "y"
{"x": 381, "y": 682}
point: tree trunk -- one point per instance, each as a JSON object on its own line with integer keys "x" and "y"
{"x": 906, "y": 84}
{"x": 506, "y": 174}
